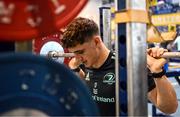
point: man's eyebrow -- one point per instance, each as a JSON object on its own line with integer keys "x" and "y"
{"x": 78, "y": 51}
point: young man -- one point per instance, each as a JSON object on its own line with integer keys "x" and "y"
{"x": 82, "y": 38}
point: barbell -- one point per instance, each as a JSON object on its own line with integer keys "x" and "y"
{"x": 56, "y": 54}
{"x": 171, "y": 55}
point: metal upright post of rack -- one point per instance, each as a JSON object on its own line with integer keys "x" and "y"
{"x": 131, "y": 18}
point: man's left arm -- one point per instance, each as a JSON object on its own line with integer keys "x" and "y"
{"x": 163, "y": 96}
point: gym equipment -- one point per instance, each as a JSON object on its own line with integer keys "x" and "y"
{"x": 43, "y": 47}
{"x": 130, "y": 63}
{"x": 105, "y": 25}
{"x": 34, "y": 82}
{"x": 27, "y": 19}
{"x": 52, "y": 46}
{"x": 171, "y": 55}
{"x": 55, "y": 54}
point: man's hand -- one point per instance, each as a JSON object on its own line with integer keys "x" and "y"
{"x": 74, "y": 63}
{"x": 154, "y": 60}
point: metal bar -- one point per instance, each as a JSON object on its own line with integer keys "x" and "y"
{"x": 55, "y": 54}
{"x": 136, "y": 63}
{"x": 105, "y": 25}
{"x": 117, "y": 69}
{"x": 171, "y": 55}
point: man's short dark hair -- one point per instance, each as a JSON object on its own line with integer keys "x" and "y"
{"x": 79, "y": 31}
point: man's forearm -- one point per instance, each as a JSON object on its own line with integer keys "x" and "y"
{"x": 164, "y": 95}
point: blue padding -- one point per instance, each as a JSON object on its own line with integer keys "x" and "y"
{"x": 29, "y": 81}
{"x": 174, "y": 60}
{"x": 175, "y": 72}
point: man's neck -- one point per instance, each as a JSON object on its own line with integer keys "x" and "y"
{"x": 102, "y": 57}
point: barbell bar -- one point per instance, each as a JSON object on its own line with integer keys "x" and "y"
{"x": 171, "y": 55}
{"x": 56, "y": 54}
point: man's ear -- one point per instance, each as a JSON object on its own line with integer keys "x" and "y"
{"x": 97, "y": 40}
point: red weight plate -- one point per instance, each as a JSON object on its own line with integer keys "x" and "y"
{"x": 26, "y": 19}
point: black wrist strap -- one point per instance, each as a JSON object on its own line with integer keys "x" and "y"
{"x": 159, "y": 75}
{"x": 76, "y": 69}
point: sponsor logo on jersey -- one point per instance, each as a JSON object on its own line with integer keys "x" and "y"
{"x": 109, "y": 78}
{"x": 103, "y": 99}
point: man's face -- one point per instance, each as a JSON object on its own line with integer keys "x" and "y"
{"x": 87, "y": 53}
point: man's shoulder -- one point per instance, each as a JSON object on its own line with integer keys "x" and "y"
{"x": 111, "y": 57}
